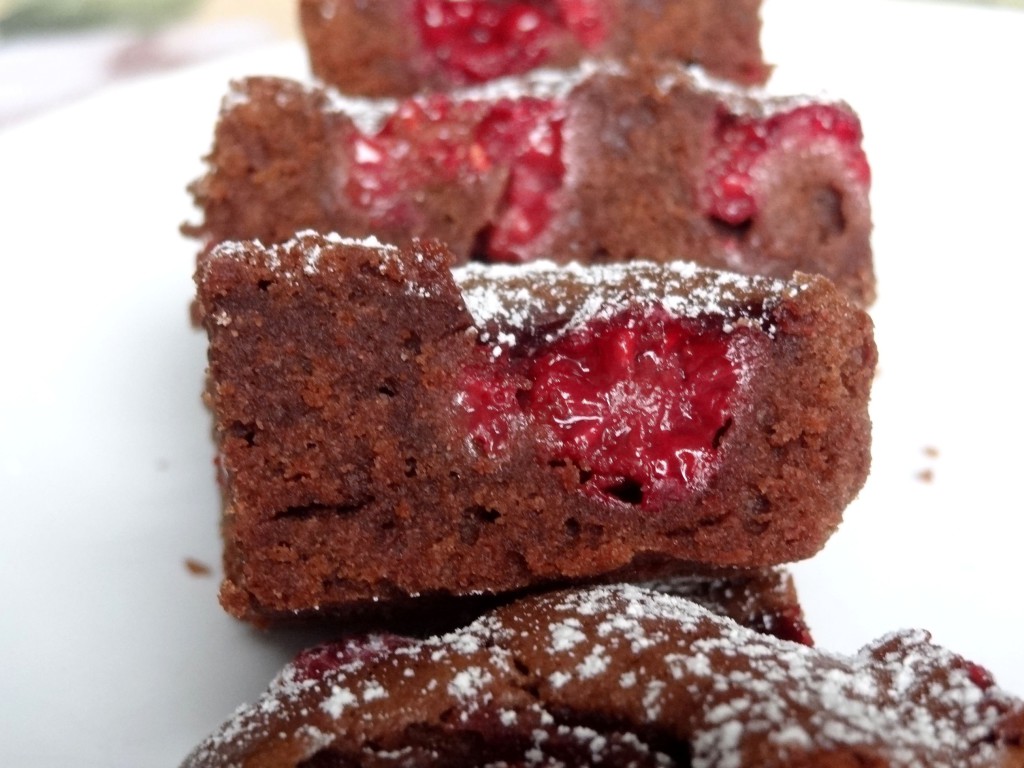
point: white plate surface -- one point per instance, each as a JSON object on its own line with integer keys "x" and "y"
{"x": 113, "y": 654}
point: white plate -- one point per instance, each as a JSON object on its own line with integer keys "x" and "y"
{"x": 112, "y": 654}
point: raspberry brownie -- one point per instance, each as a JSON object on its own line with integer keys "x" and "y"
{"x": 600, "y": 164}
{"x": 391, "y": 431}
{"x": 401, "y": 47}
{"x": 620, "y": 676}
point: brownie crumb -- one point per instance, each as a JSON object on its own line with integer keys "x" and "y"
{"x": 197, "y": 567}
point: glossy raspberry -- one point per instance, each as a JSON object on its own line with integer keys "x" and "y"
{"x": 478, "y": 40}
{"x": 742, "y": 145}
{"x": 488, "y": 397}
{"x": 434, "y": 140}
{"x": 316, "y": 662}
{"x": 638, "y": 402}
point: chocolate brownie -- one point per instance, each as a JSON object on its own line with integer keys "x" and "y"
{"x": 404, "y": 46}
{"x": 389, "y": 430}
{"x": 600, "y": 164}
{"x": 618, "y": 676}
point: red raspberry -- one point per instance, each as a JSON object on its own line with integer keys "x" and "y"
{"x": 638, "y": 403}
{"x": 434, "y": 140}
{"x": 788, "y": 624}
{"x": 424, "y": 140}
{"x": 743, "y": 144}
{"x": 316, "y": 662}
{"x": 586, "y": 20}
{"x": 489, "y": 398}
{"x": 529, "y": 131}
{"x": 478, "y": 40}
{"x": 980, "y": 676}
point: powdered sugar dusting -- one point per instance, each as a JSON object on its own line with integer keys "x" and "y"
{"x": 339, "y": 700}
{"x": 543, "y": 83}
{"x": 729, "y": 691}
{"x": 521, "y": 298}
{"x": 369, "y": 115}
{"x": 237, "y": 96}
{"x": 886, "y": 694}
{"x": 303, "y": 254}
{"x": 760, "y": 101}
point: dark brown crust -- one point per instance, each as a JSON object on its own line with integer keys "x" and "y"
{"x": 372, "y": 49}
{"x": 637, "y": 156}
{"x": 350, "y": 480}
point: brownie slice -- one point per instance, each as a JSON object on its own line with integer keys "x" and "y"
{"x": 404, "y": 46}
{"x": 599, "y": 164}
{"x": 389, "y": 431}
{"x": 620, "y": 676}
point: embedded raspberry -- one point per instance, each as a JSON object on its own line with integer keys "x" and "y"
{"x": 788, "y": 624}
{"x": 743, "y": 144}
{"x": 316, "y": 662}
{"x": 488, "y": 397}
{"x": 586, "y": 20}
{"x": 528, "y": 134}
{"x": 433, "y": 140}
{"x": 980, "y": 676}
{"x": 638, "y": 402}
{"x": 425, "y": 140}
{"x": 478, "y": 40}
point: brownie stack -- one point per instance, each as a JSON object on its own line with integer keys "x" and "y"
{"x": 582, "y": 468}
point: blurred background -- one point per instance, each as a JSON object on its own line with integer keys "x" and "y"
{"x": 56, "y": 51}
{"x": 20, "y": 16}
